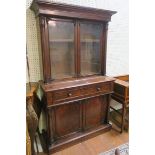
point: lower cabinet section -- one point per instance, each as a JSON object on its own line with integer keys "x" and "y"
{"x": 75, "y": 121}
{"x": 76, "y": 110}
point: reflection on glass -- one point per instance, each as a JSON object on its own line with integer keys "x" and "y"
{"x": 61, "y": 36}
{"x": 90, "y": 48}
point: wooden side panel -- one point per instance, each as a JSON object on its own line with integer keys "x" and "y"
{"x": 119, "y": 89}
{"x": 67, "y": 119}
{"x": 94, "y": 111}
{"x": 45, "y": 48}
{"x": 123, "y": 77}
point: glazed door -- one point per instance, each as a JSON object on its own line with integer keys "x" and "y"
{"x": 75, "y": 47}
{"x": 61, "y": 46}
{"x": 90, "y": 48}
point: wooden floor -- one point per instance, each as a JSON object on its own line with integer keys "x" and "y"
{"x": 96, "y": 145}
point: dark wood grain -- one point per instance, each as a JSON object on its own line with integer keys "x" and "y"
{"x": 62, "y": 93}
{"x": 45, "y": 49}
{"x": 48, "y": 8}
{"x": 104, "y": 48}
{"x": 93, "y": 115}
{"x": 76, "y": 103}
{"x": 68, "y": 119}
{"x": 71, "y": 116}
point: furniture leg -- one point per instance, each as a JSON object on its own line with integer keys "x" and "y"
{"x": 117, "y": 152}
{"x": 123, "y": 116}
{"x": 35, "y": 139}
{"x": 32, "y": 122}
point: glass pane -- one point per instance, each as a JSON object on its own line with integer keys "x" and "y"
{"x": 90, "y": 48}
{"x": 61, "y": 36}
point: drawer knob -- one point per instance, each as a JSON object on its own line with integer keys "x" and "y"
{"x": 69, "y": 94}
{"x": 98, "y": 89}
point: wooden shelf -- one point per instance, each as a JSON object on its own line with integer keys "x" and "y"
{"x": 70, "y": 40}
{"x": 90, "y": 40}
{"x": 62, "y": 40}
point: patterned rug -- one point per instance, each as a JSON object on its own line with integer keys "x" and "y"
{"x": 124, "y": 150}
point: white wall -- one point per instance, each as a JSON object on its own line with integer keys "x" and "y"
{"x": 117, "y": 45}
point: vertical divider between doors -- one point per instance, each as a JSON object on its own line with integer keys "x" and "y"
{"x": 103, "y": 48}
{"x": 83, "y": 114}
{"x": 102, "y": 108}
{"x": 78, "y": 49}
{"x": 75, "y": 47}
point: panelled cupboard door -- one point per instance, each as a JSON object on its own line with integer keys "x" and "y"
{"x": 67, "y": 119}
{"x": 94, "y": 111}
{"x": 61, "y": 42}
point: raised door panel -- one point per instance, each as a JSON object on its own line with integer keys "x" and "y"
{"x": 67, "y": 119}
{"x": 94, "y": 111}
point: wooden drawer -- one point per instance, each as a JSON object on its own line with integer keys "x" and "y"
{"x": 72, "y": 93}
{"x": 96, "y": 88}
{"x": 65, "y": 94}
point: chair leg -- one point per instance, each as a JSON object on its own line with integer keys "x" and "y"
{"x": 117, "y": 152}
{"x": 123, "y": 117}
{"x": 36, "y": 143}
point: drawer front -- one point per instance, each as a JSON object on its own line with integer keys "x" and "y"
{"x": 96, "y": 88}
{"x": 72, "y": 93}
{"x": 65, "y": 94}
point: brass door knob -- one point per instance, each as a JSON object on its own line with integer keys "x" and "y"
{"x": 98, "y": 89}
{"x": 69, "y": 94}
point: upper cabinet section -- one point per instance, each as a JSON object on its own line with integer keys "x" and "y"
{"x": 47, "y": 8}
{"x": 73, "y": 40}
